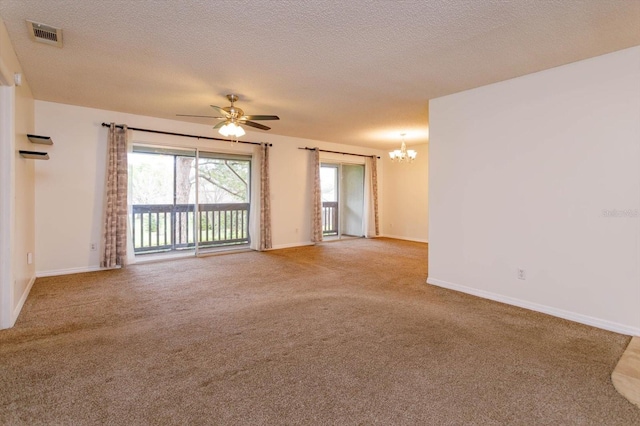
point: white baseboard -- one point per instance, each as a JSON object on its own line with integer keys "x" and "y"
{"x": 283, "y": 246}
{"x": 397, "y": 237}
{"x": 572, "y": 316}
{"x": 56, "y": 272}
{"x": 308, "y": 243}
{"x": 23, "y": 299}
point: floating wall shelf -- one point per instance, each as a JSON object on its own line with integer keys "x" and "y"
{"x": 44, "y": 140}
{"x": 34, "y": 155}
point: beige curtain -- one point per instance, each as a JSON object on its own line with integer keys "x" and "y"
{"x": 316, "y": 196}
{"x": 265, "y": 199}
{"x": 114, "y": 236}
{"x": 260, "y": 211}
{"x": 371, "y": 222}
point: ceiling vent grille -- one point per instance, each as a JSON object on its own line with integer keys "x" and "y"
{"x": 45, "y": 33}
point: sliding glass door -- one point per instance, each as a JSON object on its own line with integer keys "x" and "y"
{"x": 342, "y": 187}
{"x": 188, "y": 200}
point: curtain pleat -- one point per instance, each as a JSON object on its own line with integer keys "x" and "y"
{"x": 131, "y": 254}
{"x": 265, "y": 199}
{"x": 316, "y": 208}
{"x": 371, "y": 222}
{"x": 114, "y": 236}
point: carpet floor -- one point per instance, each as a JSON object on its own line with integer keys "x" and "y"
{"x": 340, "y": 333}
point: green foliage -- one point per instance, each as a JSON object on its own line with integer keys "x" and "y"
{"x": 220, "y": 181}
{"x": 224, "y": 181}
{"x": 151, "y": 178}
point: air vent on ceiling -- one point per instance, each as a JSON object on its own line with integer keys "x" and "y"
{"x": 45, "y": 33}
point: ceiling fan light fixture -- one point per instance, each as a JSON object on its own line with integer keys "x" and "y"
{"x": 232, "y": 129}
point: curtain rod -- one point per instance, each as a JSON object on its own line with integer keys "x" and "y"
{"x": 338, "y": 152}
{"x": 182, "y": 134}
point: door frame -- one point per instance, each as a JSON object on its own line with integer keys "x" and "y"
{"x": 7, "y": 208}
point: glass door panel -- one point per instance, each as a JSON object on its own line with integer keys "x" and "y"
{"x": 223, "y": 200}
{"x": 184, "y": 226}
{"x": 352, "y": 200}
{"x": 162, "y": 217}
{"x": 329, "y": 188}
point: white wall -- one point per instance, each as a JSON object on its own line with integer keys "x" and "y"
{"x": 69, "y": 187}
{"x": 17, "y": 190}
{"x": 525, "y": 174}
{"x": 405, "y": 187}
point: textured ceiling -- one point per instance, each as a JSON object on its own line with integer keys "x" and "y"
{"x": 356, "y": 72}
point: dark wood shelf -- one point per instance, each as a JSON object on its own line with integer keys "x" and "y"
{"x": 34, "y": 155}
{"x": 44, "y": 140}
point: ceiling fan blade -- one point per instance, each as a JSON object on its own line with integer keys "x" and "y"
{"x": 256, "y": 125}
{"x": 260, "y": 117}
{"x": 220, "y": 110}
{"x": 199, "y": 116}
{"x": 220, "y": 124}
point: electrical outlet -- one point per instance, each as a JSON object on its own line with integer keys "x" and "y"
{"x": 94, "y": 247}
{"x": 29, "y": 258}
{"x": 521, "y": 274}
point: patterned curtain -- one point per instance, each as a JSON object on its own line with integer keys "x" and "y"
{"x": 316, "y": 196}
{"x": 265, "y": 200}
{"x": 114, "y": 236}
{"x": 371, "y": 222}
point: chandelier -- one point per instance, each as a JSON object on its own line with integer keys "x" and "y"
{"x": 403, "y": 155}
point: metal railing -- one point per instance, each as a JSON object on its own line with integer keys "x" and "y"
{"x": 165, "y": 227}
{"x": 329, "y": 218}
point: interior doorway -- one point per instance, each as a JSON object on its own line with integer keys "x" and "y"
{"x": 342, "y": 187}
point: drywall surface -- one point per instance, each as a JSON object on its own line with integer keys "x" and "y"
{"x": 406, "y": 197}
{"x": 70, "y": 187}
{"x": 541, "y": 173}
{"x": 18, "y": 186}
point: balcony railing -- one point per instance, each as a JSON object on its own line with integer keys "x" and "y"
{"x": 329, "y": 218}
{"x": 164, "y": 227}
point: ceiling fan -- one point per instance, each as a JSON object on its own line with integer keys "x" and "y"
{"x": 232, "y": 117}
